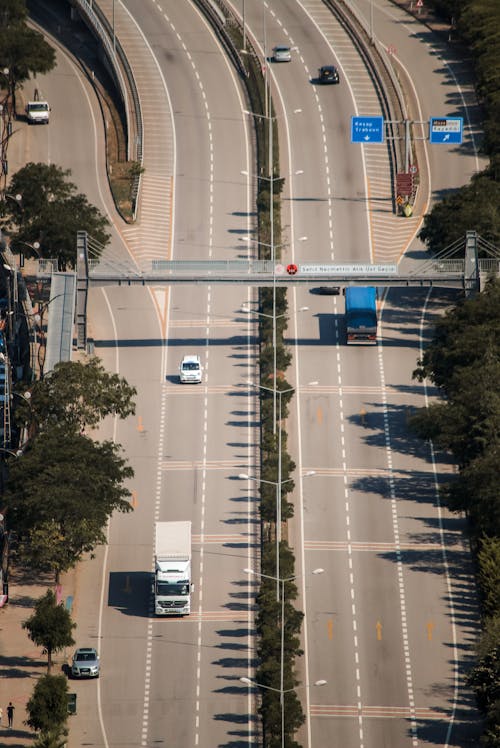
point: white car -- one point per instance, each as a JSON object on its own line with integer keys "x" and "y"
{"x": 282, "y": 53}
{"x": 190, "y": 370}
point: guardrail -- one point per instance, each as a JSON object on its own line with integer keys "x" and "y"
{"x": 118, "y": 61}
{"x": 218, "y": 13}
{"x": 384, "y": 77}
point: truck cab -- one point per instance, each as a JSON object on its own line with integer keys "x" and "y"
{"x": 37, "y": 112}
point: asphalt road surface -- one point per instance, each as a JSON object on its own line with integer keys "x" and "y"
{"x": 389, "y": 623}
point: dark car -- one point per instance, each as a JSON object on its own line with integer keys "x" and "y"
{"x": 328, "y": 74}
{"x": 326, "y": 290}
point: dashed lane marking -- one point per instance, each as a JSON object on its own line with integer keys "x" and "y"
{"x": 387, "y": 712}
{"x": 343, "y": 545}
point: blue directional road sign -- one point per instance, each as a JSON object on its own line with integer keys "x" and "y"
{"x": 367, "y": 129}
{"x": 446, "y": 129}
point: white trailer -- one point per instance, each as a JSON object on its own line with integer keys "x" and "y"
{"x": 172, "y": 583}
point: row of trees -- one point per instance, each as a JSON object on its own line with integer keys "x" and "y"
{"x": 60, "y": 494}
{"x": 463, "y": 361}
{"x": 278, "y": 621}
{"x": 39, "y": 207}
{"x": 476, "y": 205}
{"x": 49, "y": 627}
{"x": 62, "y": 490}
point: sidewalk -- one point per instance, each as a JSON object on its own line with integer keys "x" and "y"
{"x": 21, "y": 661}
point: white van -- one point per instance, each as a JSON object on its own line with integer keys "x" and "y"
{"x": 190, "y": 370}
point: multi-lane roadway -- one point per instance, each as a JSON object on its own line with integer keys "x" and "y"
{"x": 387, "y": 624}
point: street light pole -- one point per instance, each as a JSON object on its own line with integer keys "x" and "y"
{"x": 281, "y": 689}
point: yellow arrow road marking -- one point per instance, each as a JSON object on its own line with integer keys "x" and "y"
{"x": 140, "y": 426}
{"x": 319, "y": 416}
{"x": 378, "y": 626}
{"x": 133, "y": 500}
{"x": 330, "y": 628}
{"x": 430, "y": 628}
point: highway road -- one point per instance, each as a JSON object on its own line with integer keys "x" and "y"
{"x": 388, "y": 610}
{"x": 384, "y": 624}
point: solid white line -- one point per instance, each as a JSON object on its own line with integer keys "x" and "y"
{"x": 106, "y": 547}
{"x": 449, "y": 587}
{"x": 397, "y": 544}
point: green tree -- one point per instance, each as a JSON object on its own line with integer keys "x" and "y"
{"x": 50, "y": 626}
{"x": 61, "y": 494}
{"x": 79, "y": 395}
{"x": 48, "y": 705}
{"x": 475, "y": 492}
{"x": 467, "y": 332}
{"x": 51, "y": 212}
{"x": 55, "y": 738}
{"x": 489, "y": 575}
{"x": 23, "y": 51}
{"x": 475, "y": 206}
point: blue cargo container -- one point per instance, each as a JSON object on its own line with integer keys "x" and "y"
{"x": 361, "y": 314}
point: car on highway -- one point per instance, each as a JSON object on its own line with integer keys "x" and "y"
{"x": 282, "y": 53}
{"x": 326, "y": 290}
{"x": 85, "y": 663}
{"x": 328, "y": 74}
{"x": 190, "y": 370}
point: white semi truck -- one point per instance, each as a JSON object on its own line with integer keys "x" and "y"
{"x": 172, "y": 583}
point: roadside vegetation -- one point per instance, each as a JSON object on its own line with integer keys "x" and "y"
{"x": 23, "y": 52}
{"x": 275, "y": 617}
{"x": 476, "y": 206}
{"x": 44, "y": 212}
{"x": 463, "y": 361}
{"x": 60, "y": 493}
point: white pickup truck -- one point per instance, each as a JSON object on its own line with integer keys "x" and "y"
{"x": 37, "y": 112}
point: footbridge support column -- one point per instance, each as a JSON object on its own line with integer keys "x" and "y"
{"x": 471, "y": 268}
{"x": 82, "y": 289}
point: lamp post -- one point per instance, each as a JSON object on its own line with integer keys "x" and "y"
{"x": 270, "y": 119}
{"x": 11, "y": 452}
{"x": 281, "y": 690}
{"x": 35, "y": 247}
{"x": 278, "y": 485}
{"x": 246, "y": 310}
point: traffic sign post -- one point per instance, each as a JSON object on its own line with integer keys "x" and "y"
{"x": 446, "y": 130}
{"x": 367, "y": 129}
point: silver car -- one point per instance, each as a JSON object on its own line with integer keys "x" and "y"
{"x": 282, "y": 53}
{"x": 85, "y": 663}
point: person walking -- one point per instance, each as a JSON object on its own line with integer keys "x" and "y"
{"x": 10, "y": 713}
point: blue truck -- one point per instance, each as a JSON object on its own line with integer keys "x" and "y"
{"x": 361, "y": 314}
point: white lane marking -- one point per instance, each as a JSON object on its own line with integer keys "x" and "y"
{"x": 355, "y": 108}
{"x": 347, "y": 505}
{"x": 449, "y": 587}
{"x": 397, "y": 543}
{"x": 106, "y": 547}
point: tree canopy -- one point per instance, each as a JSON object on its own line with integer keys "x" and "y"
{"x": 79, "y": 395}
{"x": 48, "y": 706}
{"x": 50, "y": 626}
{"x": 23, "y": 51}
{"x": 51, "y": 213}
{"x": 463, "y": 360}
{"x": 60, "y": 495}
{"x": 476, "y": 205}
